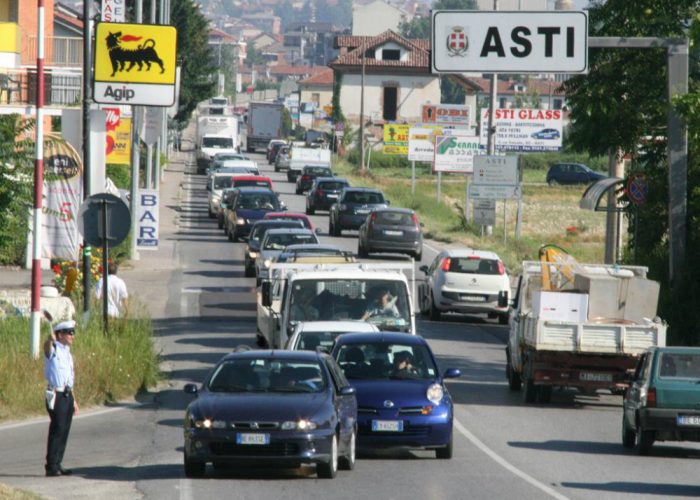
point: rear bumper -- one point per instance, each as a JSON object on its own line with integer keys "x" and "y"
{"x": 456, "y": 301}
{"x": 393, "y": 245}
{"x": 665, "y": 423}
{"x": 322, "y": 203}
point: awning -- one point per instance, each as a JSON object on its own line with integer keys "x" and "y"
{"x": 596, "y": 191}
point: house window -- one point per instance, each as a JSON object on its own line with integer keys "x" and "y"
{"x": 390, "y": 103}
{"x": 391, "y": 55}
{"x": 558, "y": 103}
{"x": 315, "y": 98}
{"x": 502, "y": 102}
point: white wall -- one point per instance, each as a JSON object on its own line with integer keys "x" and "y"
{"x": 375, "y": 18}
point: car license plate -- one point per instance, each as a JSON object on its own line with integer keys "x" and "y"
{"x": 387, "y": 425}
{"x": 260, "y": 439}
{"x": 362, "y": 211}
{"x": 389, "y": 232}
{"x": 334, "y": 196}
{"x": 691, "y": 420}
{"x": 474, "y": 298}
{"x": 595, "y": 377}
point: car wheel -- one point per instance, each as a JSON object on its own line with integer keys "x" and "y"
{"x": 348, "y": 461}
{"x": 249, "y": 272}
{"x": 333, "y": 229}
{"x": 446, "y": 452}
{"x": 310, "y": 211}
{"x": 298, "y": 191}
{"x": 503, "y": 319}
{"x": 643, "y": 440}
{"x": 418, "y": 256}
{"x": 361, "y": 252}
{"x": 277, "y": 169}
{"x": 552, "y": 182}
{"x": 544, "y": 394}
{"x": 514, "y": 381}
{"x": 329, "y": 469}
{"x": 220, "y": 222}
{"x": 229, "y": 234}
{"x": 233, "y": 234}
{"x": 530, "y": 393}
{"x": 628, "y": 435}
{"x": 194, "y": 468}
{"x": 434, "y": 311}
{"x": 260, "y": 340}
{"x": 212, "y": 215}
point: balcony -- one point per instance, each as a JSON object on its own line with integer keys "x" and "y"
{"x": 59, "y": 51}
{"x": 62, "y": 88}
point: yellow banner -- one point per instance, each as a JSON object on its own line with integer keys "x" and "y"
{"x": 119, "y": 142}
{"x": 396, "y": 139}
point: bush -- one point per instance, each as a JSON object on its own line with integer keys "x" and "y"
{"x": 120, "y": 175}
{"x": 379, "y": 160}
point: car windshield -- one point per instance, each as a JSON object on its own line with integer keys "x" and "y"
{"x": 385, "y": 361}
{"x": 381, "y": 302}
{"x": 237, "y": 170}
{"x": 281, "y": 241}
{"x": 363, "y": 198}
{"x": 267, "y": 375}
{"x": 318, "y": 171}
{"x": 258, "y": 201}
{"x": 679, "y": 366}
{"x": 332, "y": 186}
{"x": 222, "y": 157}
{"x": 303, "y": 220}
{"x": 251, "y": 183}
{"x": 217, "y": 142}
{"x": 221, "y": 182}
{"x": 394, "y": 219}
{"x": 474, "y": 265}
{"x": 309, "y": 341}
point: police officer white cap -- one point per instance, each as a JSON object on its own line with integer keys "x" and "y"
{"x": 64, "y": 325}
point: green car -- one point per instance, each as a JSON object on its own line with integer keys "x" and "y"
{"x": 663, "y": 400}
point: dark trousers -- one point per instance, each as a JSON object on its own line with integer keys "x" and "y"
{"x": 61, "y": 418}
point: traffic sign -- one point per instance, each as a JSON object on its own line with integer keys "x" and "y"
{"x": 637, "y": 188}
{"x": 485, "y": 212}
{"x": 91, "y": 219}
{"x": 489, "y": 169}
{"x": 135, "y": 64}
{"x": 495, "y": 192}
{"x": 509, "y": 42}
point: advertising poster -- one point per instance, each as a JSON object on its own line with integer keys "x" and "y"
{"x": 455, "y": 153}
{"x": 396, "y": 139}
{"x": 519, "y": 129}
{"x": 421, "y": 142}
{"x": 118, "y": 139}
{"x": 455, "y": 115}
{"x": 147, "y": 211}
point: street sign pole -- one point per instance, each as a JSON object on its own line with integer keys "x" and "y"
{"x": 466, "y": 200}
{"x": 413, "y": 177}
{"x": 439, "y": 187}
{"x": 105, "y": 261}
{"x": 87, "y": 70}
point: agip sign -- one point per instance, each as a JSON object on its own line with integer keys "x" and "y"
{"x": 509, "y": 42}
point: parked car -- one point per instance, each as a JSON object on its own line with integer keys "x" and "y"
{"x": 308, "y": 174}
{"x": 245, "y": 206}
{"x": 283, "y": 408}
{"x": 292, "y": 215}
{"x": 394, "y": 230}
{"x": 272, "y": 149}
{"x": 663, "y": 401}
{"x": 572, "y": 173}
{"x": 310, "y": 335}
{"x": 353, "y": 206}
{"x": 324, "y": 193}
{"x": 467, "y": 281}
{"x": 276, "y": 240}
{"x": 546, "y": 133}
{"x": 401, "y": 395}
{"x": 282, "y": 159}
{"x": 257, "y": 233}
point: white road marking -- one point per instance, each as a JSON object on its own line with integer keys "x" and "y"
{"x": 507, "y": 465}
{"x": 185, "y": 489}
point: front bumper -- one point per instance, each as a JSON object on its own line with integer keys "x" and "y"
{"x": 286, "y": 448}
{"x": 665, "y": 423}
{"x": 419, "y": 431}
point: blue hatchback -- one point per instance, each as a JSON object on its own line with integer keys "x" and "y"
{"x": 402, "y": 401}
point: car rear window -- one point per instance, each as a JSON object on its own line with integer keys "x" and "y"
{"x": 318, "y": 171}
{"x": 222, "y": 182}
{"x": 332, "y": 186}
{"x": 258, "y": 201}
{"x": 679, "y": 365}
{"x": 253, "y": 183}
{"x": 363, "y": 198}
{"x": 394, "y": 218}
{"x": 282, "y": 241}
{"x": 474, "y": 266}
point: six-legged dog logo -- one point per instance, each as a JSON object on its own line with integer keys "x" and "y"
{"x": 144, "y": 53}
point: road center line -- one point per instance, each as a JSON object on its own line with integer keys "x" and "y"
{"x": 507, "y": 465}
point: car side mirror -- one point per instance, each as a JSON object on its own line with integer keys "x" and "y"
{"x": 424, "y": 269}
{"x": 347, "y": 391}
{"x": 452, "y": 373}
{"x": 190, "y": 389}
{"x": 317, "y": 230}
{"x": 266, "y": 293}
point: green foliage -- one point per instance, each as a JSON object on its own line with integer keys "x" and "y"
{"x": 253, "y": 56}
{"x": 287, "y": 124}
{"x": 381, "y": 161}
{"x": 120, "y": 175}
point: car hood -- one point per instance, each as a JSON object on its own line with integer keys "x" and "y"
{"x": 253, "y": 245}
{"x": 373, "y": 393}
{"x": 257, "y": 406}
{"x": 269, "y": 254}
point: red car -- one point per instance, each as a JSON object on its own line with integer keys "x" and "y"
{"x": 291, "y": 215}
{"x": 252, "y": 181}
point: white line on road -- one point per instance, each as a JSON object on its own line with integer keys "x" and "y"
{"x": 507, "y": 465}
{"x": 185, "y": 489}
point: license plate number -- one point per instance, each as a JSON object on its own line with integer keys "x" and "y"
{"x": 474, "y": 298}
{"x": 595, "y": 377}
{"x": 259, "y": 439}
{"x": 387, "y": 425}
{"x": 691, "y": 420}
{"x": 389, "y": 232}
{"x": 334, "y": 196}
{"x": 363, "y": 211}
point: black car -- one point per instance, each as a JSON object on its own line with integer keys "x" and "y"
{"x": 353, "y": 207}
{"x": 308, "y": 175}
{"x": 393, "y": 230}
{"x": 572, "y": 173}
{"x": 324, "y": 193}
{"x": 244, "y": 207}
{"x": 284, "y": 408}
{"x": 257, "y": 233}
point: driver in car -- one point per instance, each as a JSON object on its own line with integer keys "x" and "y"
{"x": 381, "y": 304}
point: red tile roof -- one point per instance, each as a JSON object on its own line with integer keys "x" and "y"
{"x": 286, "y": 69}
{"x": 507, "y": 87}
{"x": 418, "y": 51}
{"x": 323, "y": 78}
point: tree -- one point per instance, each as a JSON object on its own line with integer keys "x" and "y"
{"x": 253, "y": 56}
{"x": 197, "y": 74}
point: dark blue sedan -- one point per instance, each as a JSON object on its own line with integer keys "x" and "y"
{"x": 282, "y": 408}
{"x": 401, "y": 398}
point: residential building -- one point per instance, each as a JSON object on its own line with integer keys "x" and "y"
{"x": 528, "y": 93}
{"x": 317, "y": 90}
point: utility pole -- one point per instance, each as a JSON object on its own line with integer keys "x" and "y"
{"x": 491, "y": 135}
{"x": 362, "y": 112}
{"x": 135, "y": 157}
{"x": 87, "y": 167}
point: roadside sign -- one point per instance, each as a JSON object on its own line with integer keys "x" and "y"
{"x": 447, "y": 114}
{"x": 495, "y": 192}
{"x": 339, "y": 126}
{"x": 395, "y": 139}
{"x": 509, "y": 42}
{"x": 90, "y": 220}
{"x": 113, "y": 11}
{"x": 485, "y": 212}
{"x": 501, "y": 170}
{"x": 118, "y": 137}
{"x": 637, "y": 188}
{"x": 135, "y": 64}
{"x": 455, "y": 153}
{"x": 152, "y": 126}
{"x": 421, "y": 142}
{"x": 520, "y": 129}
{"x": 147, "y": 217}
{"x": 250, "y": 89}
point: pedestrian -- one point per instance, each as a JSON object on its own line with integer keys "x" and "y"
{"x": 60, "y": 398}
{"x": 117, "y": 294}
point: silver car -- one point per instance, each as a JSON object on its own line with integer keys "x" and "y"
{"x": 276, "y": 240}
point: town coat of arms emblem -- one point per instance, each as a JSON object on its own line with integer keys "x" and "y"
{"x": 457, "y": 42}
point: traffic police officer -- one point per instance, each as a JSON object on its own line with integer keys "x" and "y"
{"x": 60, "y": 400}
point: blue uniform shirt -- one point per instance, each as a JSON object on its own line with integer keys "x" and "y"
{"x": 58, "y": 368}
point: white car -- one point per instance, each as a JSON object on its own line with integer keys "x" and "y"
{"x": 309, "y": 335}
{"x": 465, "y": 281}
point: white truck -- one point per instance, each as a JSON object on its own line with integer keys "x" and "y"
{"x": 335, "y": 292}
{"x": 586, "y": 334}
{"x": 264, "y": 124}
{"x": 300, "y": 157}
{"x": 215, "y": 134}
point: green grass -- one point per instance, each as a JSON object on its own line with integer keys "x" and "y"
{"x": 9, "y": 493}
{"x": 107, "y": 367}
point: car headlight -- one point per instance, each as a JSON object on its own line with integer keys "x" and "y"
{"x": 267, "y": 263}
{"x": 216, "y": 198}
{"x": 435, "y": 393}
{"x": 298, "y": 425}
{"x": 240, "y": 220}
{"x": 253, "y": 254}
{"x": 342, "y": 208}
{"x": 208, "y": 423}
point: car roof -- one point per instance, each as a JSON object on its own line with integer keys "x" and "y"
{"x": 677, "y": 349}
{"x": 337, "y": 326}
{"x": 279, "y": 354}
{"x": 470, "y": 252}
{"x": 407, "y": 211}
{"x": 278, "y": 223}
{"x": 305, "y": 246}
{"x": 331, "y": 179}
{"x": 318, "y": 166}
{"x": 238, "y": 163}
{"x": 286, "y": 215}
{"x": 381, "y": 337}
{"x": 252, "y": 178}
{"x": 288, "y": 230}
{"x": 254, "y": 189}
{"x": 362, "y": 190}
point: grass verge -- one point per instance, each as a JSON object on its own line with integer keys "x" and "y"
{"x": 107, "y": 367}
{"x": 9, "y": 493}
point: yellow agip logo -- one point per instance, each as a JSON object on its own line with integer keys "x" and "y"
{"x": 135, "y": 53}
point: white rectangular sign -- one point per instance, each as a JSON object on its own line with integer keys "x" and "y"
{"x": 496, "y": 170}
{"x": 495, "y": 191}
{"x": 455, "y": 153}
{"x": 148, "y": 217}
{"x": 135, "y": 94}
{"x": 113, "y": 11}
{"x": 485, "y": 212}
{"x": 519, "y": 129}
{"x": 421, "y": 143}
{"x": 455, "y": 115}
{"x": 509, "y": 42}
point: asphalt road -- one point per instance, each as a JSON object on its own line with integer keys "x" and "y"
{"x": 503, "y": 448}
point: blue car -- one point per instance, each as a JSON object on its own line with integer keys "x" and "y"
{"x": 401, "y": 398}
{"x": 546, "y": 133}
{"x": 244, "y": 206}
{"x": 280, "y": 408}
